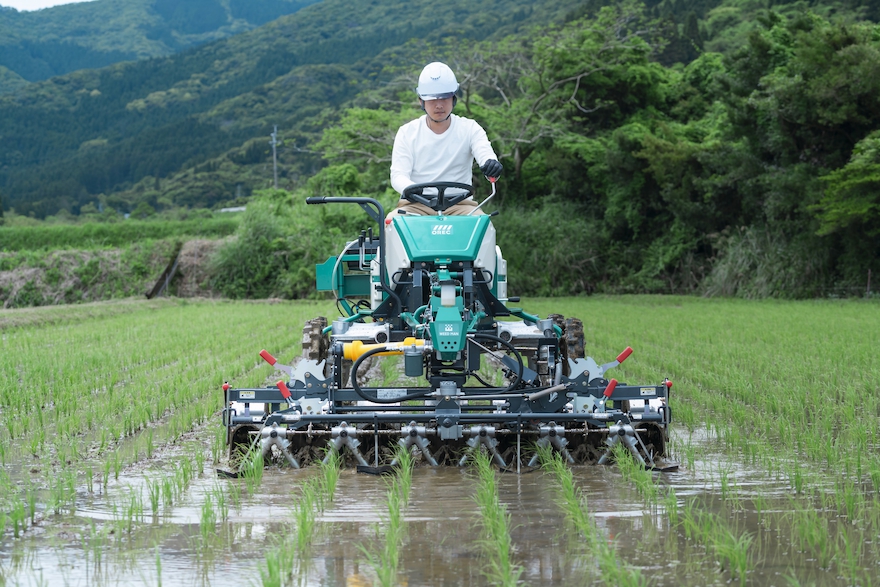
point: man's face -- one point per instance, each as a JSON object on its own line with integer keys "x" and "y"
{"x": 438, "y": 109}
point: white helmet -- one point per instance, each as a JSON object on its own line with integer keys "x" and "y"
{"x": 437, "y": 82}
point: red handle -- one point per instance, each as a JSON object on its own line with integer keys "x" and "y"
{"x": 283, "y": 388}
{"x": 626, "y": 352}
{"x": 268, "y": 357}
{"x": 610, "y": 389}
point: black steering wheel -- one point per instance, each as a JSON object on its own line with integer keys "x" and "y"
{"x": 438, "y": 202}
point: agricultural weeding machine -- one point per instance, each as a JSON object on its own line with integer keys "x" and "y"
{"x": 431, "y": 291}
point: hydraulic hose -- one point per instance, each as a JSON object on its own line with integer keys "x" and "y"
{"x": 357, "y": 388}
{"x": 511, "y": 348}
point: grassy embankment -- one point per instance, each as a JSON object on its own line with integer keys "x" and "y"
{"x": 71, "y": 263}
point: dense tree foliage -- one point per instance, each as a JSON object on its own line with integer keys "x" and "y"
{"x": 730, "y": 175}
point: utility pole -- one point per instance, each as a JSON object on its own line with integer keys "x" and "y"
{"x": 274, "y": 143}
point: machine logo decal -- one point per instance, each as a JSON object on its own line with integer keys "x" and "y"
{"x": 441, "y": 229}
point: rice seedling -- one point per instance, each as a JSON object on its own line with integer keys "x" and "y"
{"x": 199, "y": 459}
{"x": 330, "y": 473}
{"x": 636, "y": 473}
{"x": 305, "y": 510}
{"x": 32, "y": 503}
{"x": 154, "y": 491}
{"x": 732, "y": 550}
{"x": 158, "y": 567}
{"x": 208, "y": 520}
{"x": 573, "y": 502}
{"x": 17, "y": 517}
{"x": 252, "y": 469}
{"x": 149, "y": 444}
{"x": 218, "y": 444}
{"x": 670, "y": 501}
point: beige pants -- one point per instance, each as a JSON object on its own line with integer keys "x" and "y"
{"x": 461, "y": 209}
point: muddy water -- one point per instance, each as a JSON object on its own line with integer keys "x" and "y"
{"x": 92, "y": 547}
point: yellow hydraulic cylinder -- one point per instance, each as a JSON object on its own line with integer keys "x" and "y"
{"x": 353, "y": 350}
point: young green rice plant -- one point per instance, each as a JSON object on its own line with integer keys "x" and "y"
{"x": 222, "y": 503}
{"x": 208, "y": 520}
{"x": 17, "y": 517}
{"x": 850, "y": 500}
{"x": 573, "y": 502}
{"x": 252, "y": 469}
{"x": 94, "y": 544}
{"x": 670, "y": 502}
{"x": 105, "y": 473}
{"x": 62, "y": 492}
{"x": 218, "y": 444}
{"x": 636, "y": 473}
{"x": 117, "y": 465}
{"x": 199, "y": 460}
{"x": 732, "y": 551}
{"x": 169, "y": 494}
{"x": 154, "y": 492}
{"x": 405, "y": 462}
{"x": 133, "y": 511}
{"x": 495, "y": 522}
{"x": 282, "y": 565}
{"x": 330, "y": 474}
{"x": 850, "y": 552}
{"x": 32, "y": 503}
{"x": 810, "y": 532}
{"x": 148, "y": 441}
{"x": 158, "y": 567}
{"x": 384, "y": 557}
{"x": 305, "y": 510}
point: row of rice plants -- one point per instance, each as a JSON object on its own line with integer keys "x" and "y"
{"x": 287, "y": 561}
{"x": 573, "y": 502}
{"x": 114, "y": 391}
{"x": 383, "y": 556}
{"x": 789, "y": 387}
{"x": 495, "y": 543}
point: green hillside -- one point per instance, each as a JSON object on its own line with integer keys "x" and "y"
{"x": 72, "y": 138}
{"x": 37, "y": 45}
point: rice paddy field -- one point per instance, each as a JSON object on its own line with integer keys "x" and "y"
{"x": 110, "y": 436}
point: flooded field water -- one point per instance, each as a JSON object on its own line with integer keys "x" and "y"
{"x": 102, "y": 542}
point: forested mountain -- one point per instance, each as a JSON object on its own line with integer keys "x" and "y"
{"x": 70, "y": 139}
{"x": 680, "y": 146}
{"x": 37, "y": 45}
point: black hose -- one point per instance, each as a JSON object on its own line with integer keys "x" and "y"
{"x": 360, "y": 392}
{"x": 511, "y": 348}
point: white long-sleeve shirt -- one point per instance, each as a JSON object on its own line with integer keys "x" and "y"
{"x": 421, "y": 156}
